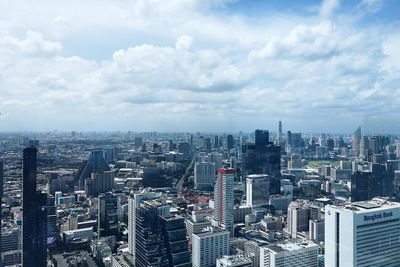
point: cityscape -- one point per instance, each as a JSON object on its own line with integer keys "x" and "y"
{"x": 265, "y": 198}
{"x": 200, "y": 133}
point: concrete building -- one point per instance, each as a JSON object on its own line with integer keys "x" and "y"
{"x": 208, "y": 246}
{"x": 258, "y": 189}
{"x": 362, "y": 234}
{"x": 133, "y": 204}
{"x": 289, "y": 254}
{"x": 234, "y": 261}
{"x": 317, "y": 230}
{"x": 223, "y": 199}
{"x": 204, "y": 175}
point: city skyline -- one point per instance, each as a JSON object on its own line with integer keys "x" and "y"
{"x": 319, "y": 66}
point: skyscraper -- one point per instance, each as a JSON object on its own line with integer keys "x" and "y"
{"x": 280, "y": 134}
{"x": 133, "y": 204}
{"x": 107, "y": 215}
{"x": 150, "y": 240}
{"x": 262, "y": 157}
{"x": 34, "y": 226}
{"x": 362, "y": 234}
{"x": 223, "y": 199}
{"x": 230, "y": 142}
{"x": 1, "y": 202}
{"x": 356, "y": 139}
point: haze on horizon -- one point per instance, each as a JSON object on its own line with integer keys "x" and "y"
{"x": 199, "y": 65}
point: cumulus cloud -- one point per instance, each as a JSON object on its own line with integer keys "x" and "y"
{"x": 191, "y": 64}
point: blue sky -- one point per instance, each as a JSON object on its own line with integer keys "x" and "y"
{"x": 198, "y": 65}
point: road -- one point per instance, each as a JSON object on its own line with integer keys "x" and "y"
{"x": 179, "y": 184}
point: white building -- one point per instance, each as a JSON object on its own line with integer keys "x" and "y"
{"x": 85, "y": 233}
{"x": 317, "y": 230}
{"x": 362, "y": 234}
{"x": 208, "y": 246}
{"x": 204, "y": 174}
{"x": 257, "y": 189}
{"x": 223, "y": 199}
{"x": 133, "y": 204}
{"x": 234, "y": 261}
{"x": 289, "y": 254}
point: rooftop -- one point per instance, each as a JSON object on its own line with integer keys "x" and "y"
{"x": 367, "y": 206}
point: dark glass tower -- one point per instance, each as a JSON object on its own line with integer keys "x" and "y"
{"x": 1, "y": 202}
{"x": 262, "y": 157}
{"x": 107, "y": 215}
{"x": 34, "y": 225}
{"x": 230, "y": 141}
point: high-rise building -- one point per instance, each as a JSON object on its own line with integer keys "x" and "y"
{"x": 1, "y": 202}
{"x": 216, "y": 141}
{"x": 150, "y": 248}
{"x": 252, "y": 251}
{"x": 99, "y": 182}
{"x": 234, "y": 261}
{"x": 208, "y": 246}
{"x": 204, "y": 175}
{"x": 261, "y": 157}
{"x": 356, "y": 139}
{"x": 230, "y": 141}
{"x": 317, "y": 230}
{"x": 133, "y": 204}
{"x": 299, "y": 214}
{"x": 95, "y": 163}
{"x": 258, "y": 189}
{"x": 299, "y": 254}
{"x": 280, "y": 140}
{"x": 378, "y": 181}
{"x": 34, "y": 225}
{"x": 51, "y": 220}
{"x": 107, "y": 215}
{"x": 362, "y": 234}
{"x": 223, "y": 199}
{"x": 138, "y": 141}
{"x": 207, "y": 144}
{"x": 175, "y": 241}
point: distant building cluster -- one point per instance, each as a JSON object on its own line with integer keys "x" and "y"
{"x": 270, "y": 199}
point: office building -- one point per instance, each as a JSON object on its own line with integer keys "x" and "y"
{"x": 230, "y": 141}
{"x": 133, "y": 204}
{"x": 196, "y": 224}
{"x": 290, "y": 253}
{"x": 258, "y": 189}
{"x": 150, "y": 248}
{"x": 1, "y": 211}
{"x": 99, "y": 182}
{"x": 261, "y": 157}
{"x": 176, "y": 244}
{"x": 107, "y": 215}
{"x": 362, "y": 234}
{"x": 378, "y": 181}
{"x": 234, "y": 261}
{"x": 208, "y": 246}
{"x": 138, "y": 141}
{"x": 204, "y": 175}
{"x": 95, "y": 163}
{"x": 299, "y": 214}
{"x": 317, "y": 230}
{"x": 280, "y": 136}
{"x": 51, "y": 220}
{"x": 223, "y": 199}
{"x": 34, "y": 225}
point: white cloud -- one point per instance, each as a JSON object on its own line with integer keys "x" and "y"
{"x": 328, "y": 7}
{"x": 211, "y": 71}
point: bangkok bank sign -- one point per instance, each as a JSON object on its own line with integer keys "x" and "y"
{"x": 377, "y": 216}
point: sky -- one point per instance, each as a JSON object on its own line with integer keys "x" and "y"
{"x": 198, "y": 65}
